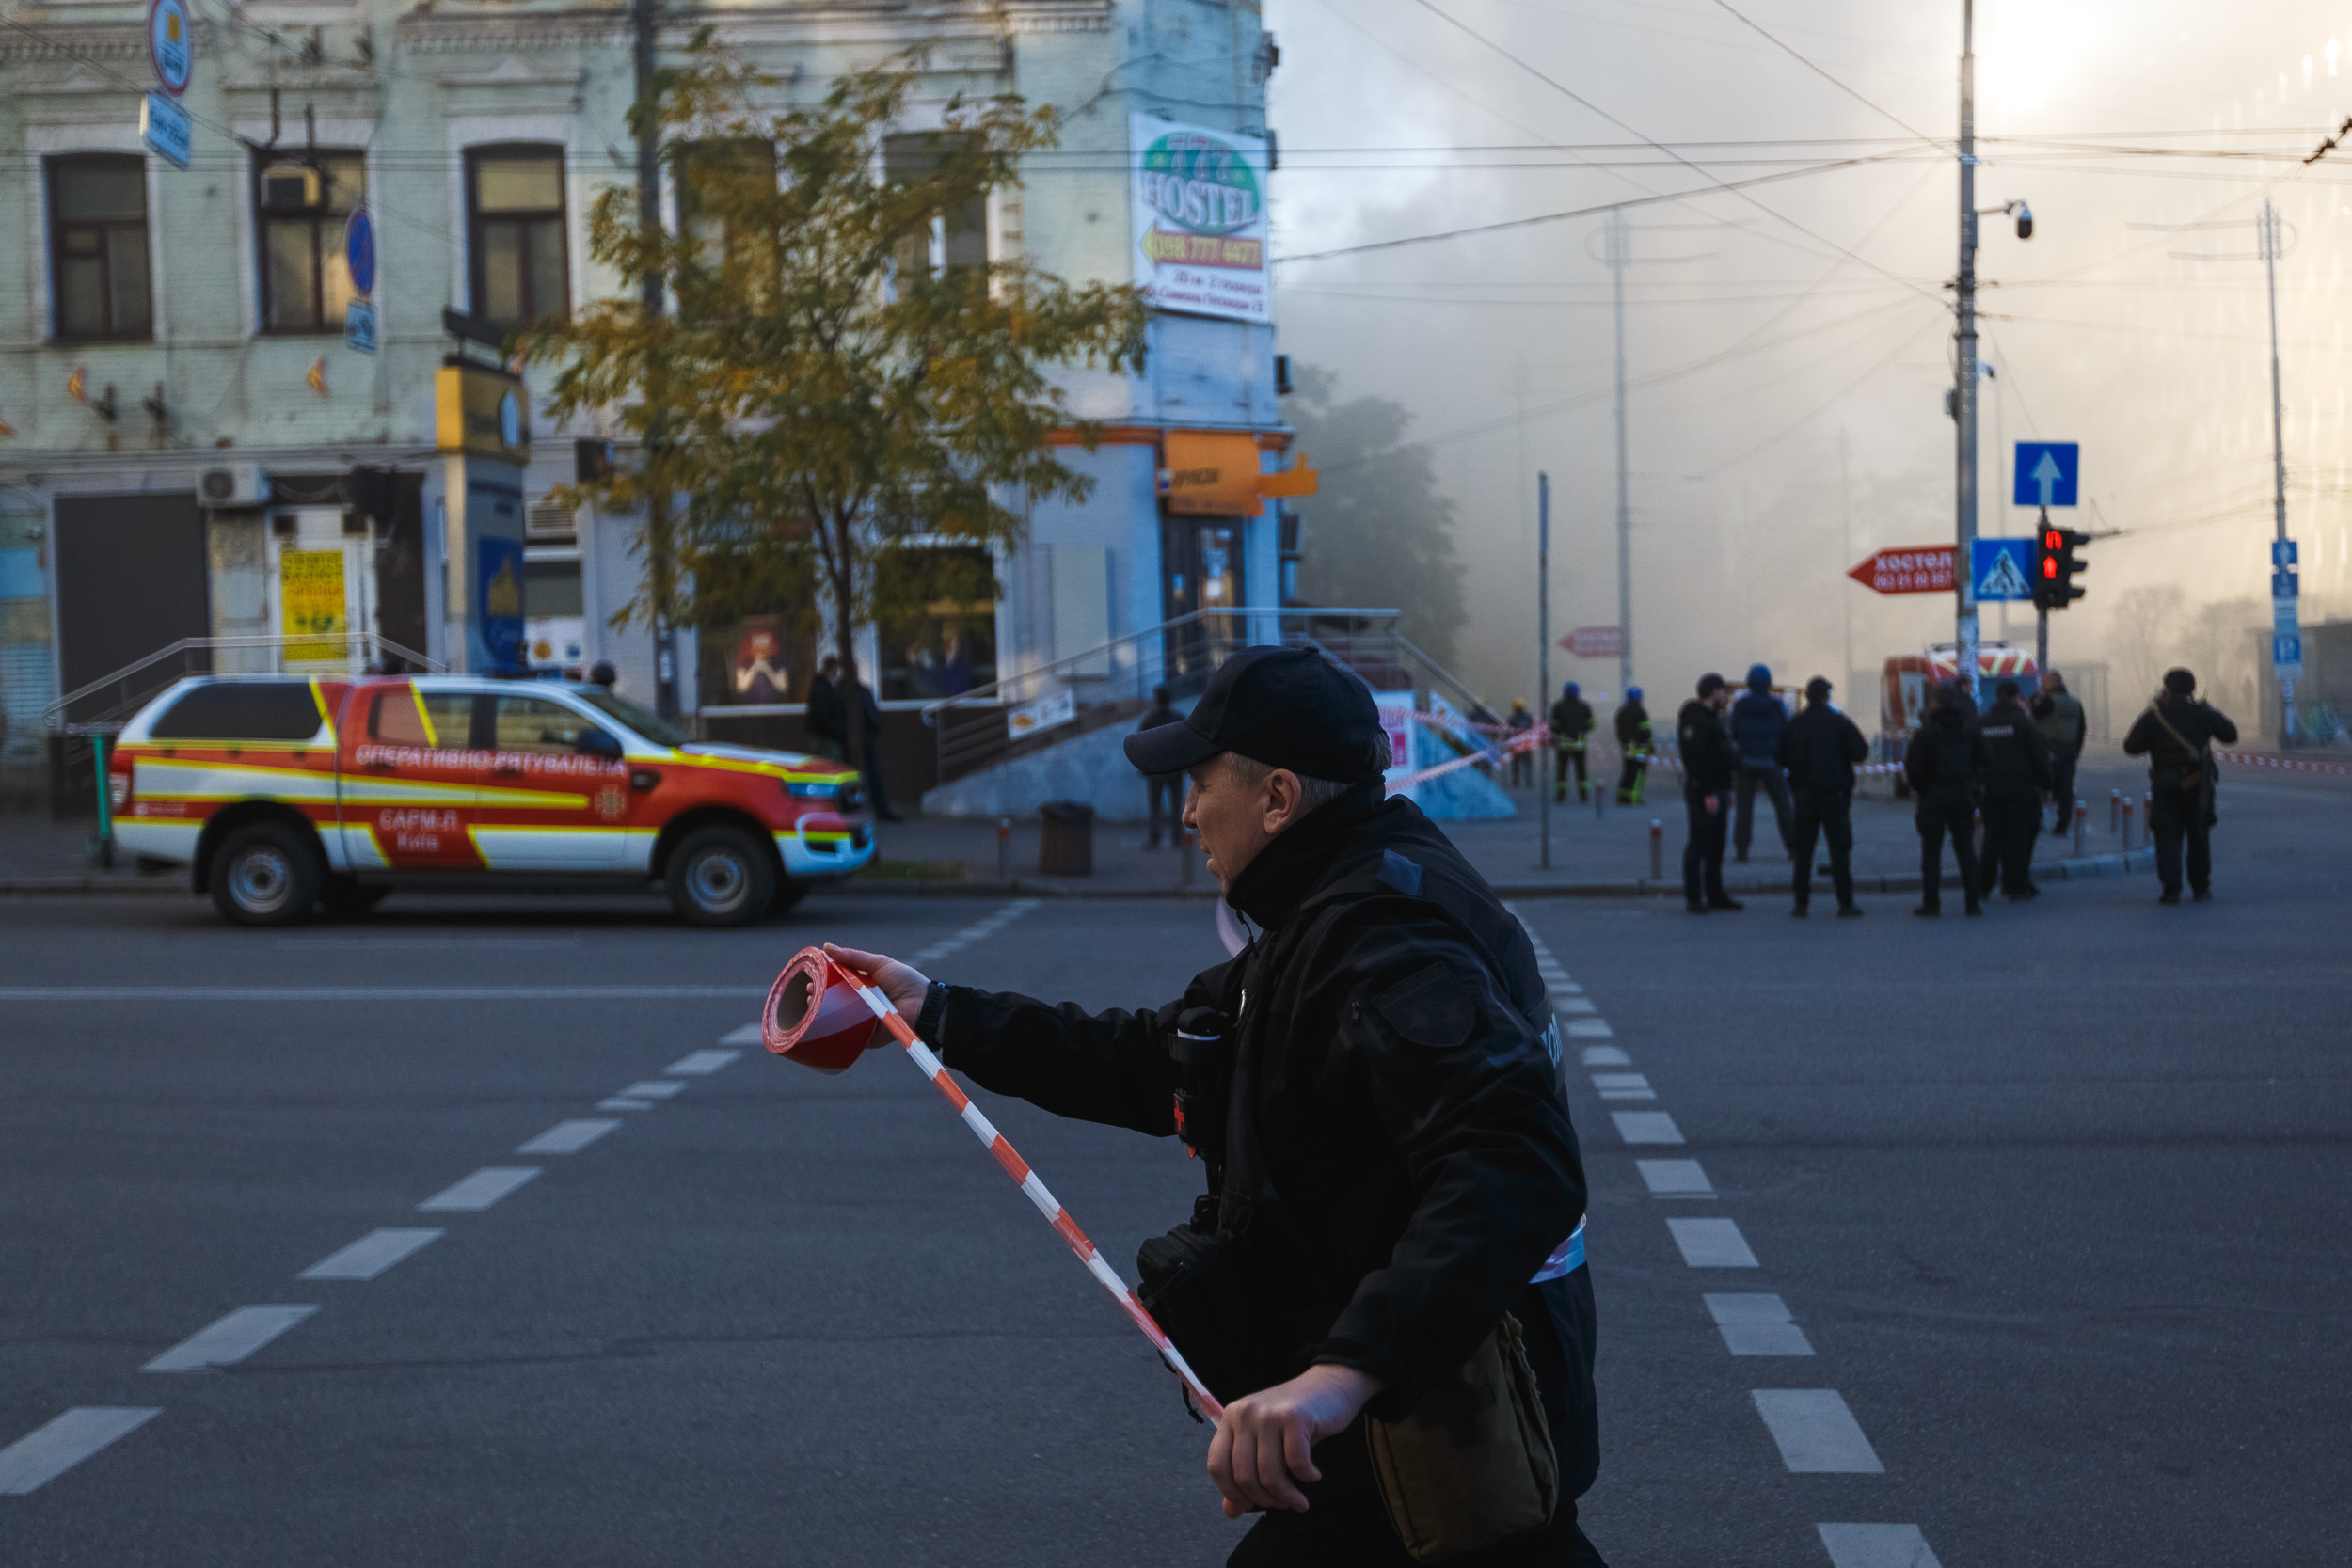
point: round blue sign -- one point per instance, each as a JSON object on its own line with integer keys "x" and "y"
{"x": 171, "y": 43}
{"x": 359, "y": 250}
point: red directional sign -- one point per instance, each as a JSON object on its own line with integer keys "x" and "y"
{"x": 1594, "y": 641}
{"x": 1923, "y": 569}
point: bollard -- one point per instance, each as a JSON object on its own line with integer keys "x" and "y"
{"x": 1003, "y": 848}
{"x": 1184, "y": 857}
{"x": 1600, "y": 797}
{"x": 1657, "y": 850}
{"x": 2082, "y": 817}
{"x": 2115, "y": 810}
{"x": 2127, "y": 822}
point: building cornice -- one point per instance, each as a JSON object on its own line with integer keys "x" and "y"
{"x": 832, "y": 22}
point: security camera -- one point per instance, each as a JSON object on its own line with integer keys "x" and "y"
{"x": 2025, "y": 220}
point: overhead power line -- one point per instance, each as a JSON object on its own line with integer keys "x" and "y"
{"x": 1756, "y": 28}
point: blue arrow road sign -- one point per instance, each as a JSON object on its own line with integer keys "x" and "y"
{"x": 2046, "y": 472}
{"x": 164, "y": 126}
{"x": 2003, "y": 569}
{"x": 359, "y": 250}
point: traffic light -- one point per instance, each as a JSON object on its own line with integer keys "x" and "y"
{"x": 2055, "y": 564}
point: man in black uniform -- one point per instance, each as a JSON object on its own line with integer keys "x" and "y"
{"x": 1709, "y": 766}
{"x": 2016, "y": 777}
{"x": 1391, "y": 1164}
{"x": 1571, "y": 728}
{"x": 2176, "y": 735}
{"x": 1635, "y": 743}
{"x": 1818, "y": 749}
{"x": 1159, "y": 788}
{"x": 1944, "y": 765}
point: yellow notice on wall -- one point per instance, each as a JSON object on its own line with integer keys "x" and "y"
{"x": 311, "y": 613}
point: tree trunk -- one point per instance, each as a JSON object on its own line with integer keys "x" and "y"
{"x": 845, "y": 648}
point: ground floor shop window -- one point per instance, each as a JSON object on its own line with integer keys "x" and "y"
{"x": 757, "y": 660}
{"x": 935, "y": 623}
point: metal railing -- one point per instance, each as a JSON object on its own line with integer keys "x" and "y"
{"x": 107, "y": 704}
{"x": 1049, "y": 704}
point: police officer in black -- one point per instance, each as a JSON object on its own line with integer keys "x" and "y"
{"x": 2176, "y": 735}
{"x": 1389, "y": 1148}
{"x": 2017, "y": 778}
{"x": 1709, "y": 765}
{"x": 1945, "y": 765}
{"x": 1818, "y": 749}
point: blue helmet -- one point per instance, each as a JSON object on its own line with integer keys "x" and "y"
{"x": 1568, "y": 691}
{"x": 1632, "y": 693}
{"x": 1759, "y": 678}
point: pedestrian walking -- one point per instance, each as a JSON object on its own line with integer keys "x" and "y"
{"x": 1757, "y": 720}
{"x": 1944, "y": 765}
{"x": 1524, "y": 759}
{"x": 1571, "y": 728}
{"x": 2016, "y": 779}
{"x": 1708, "y": 765}
{"x": 1819, "y": 750}
{"x": 2176, "y": 735}
{"x": 1162, "y": 787}
{"x": 827, "y": 720}
{"x": 859, "y": 698}
{"x": 2059, "y": 714}
{"x": 1372, "y": 1256}
{"x": 1635, "y": 745}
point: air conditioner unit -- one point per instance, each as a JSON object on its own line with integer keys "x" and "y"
{"x": 289, "y": 187}
{"x": 232, "y": 485}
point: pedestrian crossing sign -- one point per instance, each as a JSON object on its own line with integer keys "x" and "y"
{"x": 2003, "y": 569}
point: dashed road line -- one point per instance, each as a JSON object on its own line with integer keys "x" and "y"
{"x": 568, "y": 1138}
{"x": 1623, "y": 1086}
{"x": 1757, "y": 1324}
{"x": 1646, "y": 1127}
{"x": 50, "y": 1450}
{"x": 1606, "y": 1055}
{"x": 977, "y": 931}
{"x": 371, "y": 1254}
{"x": 230, "y": 1340}
{"x": 623, "y": 1102}
{"x": 1590, "y": 1029}
{"x": 652, "y": 1089}
{"x": 1876, "y": 1546}
{"x": 479, "y": 1190}
{"x": 748, "y": 1035}
{"x": 1816, "y": 1433}
{"x": 1675, "y": 1178}
{"x": 702, "y": 1063}
{"x": 1712, "y": 1243}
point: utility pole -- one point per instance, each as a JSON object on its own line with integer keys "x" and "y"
{"x": 2285, "y": 621}
{"x": 1845, "y": 508}
{"x": 1543, "y": 659}
{"x": 1964, "y": 371}
{"x": 1618, "y": 256}
{"x": 644, "y": 20}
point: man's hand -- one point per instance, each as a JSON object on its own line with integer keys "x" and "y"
{"x": 1262, "y": 1441}
{"x": 1714, "y": 804}
{"x": 903, "y": 983}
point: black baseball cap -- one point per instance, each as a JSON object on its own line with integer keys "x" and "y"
{"x": 1286, "y": 707}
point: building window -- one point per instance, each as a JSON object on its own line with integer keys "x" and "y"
{"x": 300, "y": 206}
{"x": 936, "y": 621}
{"x": 98, "y": 239}
{"x": 956, "y": 237}
{"x": 514, "y": 235}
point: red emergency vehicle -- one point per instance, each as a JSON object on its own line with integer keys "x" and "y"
{"x": 285, "y": 795}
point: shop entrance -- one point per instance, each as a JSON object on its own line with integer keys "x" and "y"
{"x": 1200, "y": 560}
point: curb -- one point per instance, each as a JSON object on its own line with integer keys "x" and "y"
{"x": 20, "y": 887}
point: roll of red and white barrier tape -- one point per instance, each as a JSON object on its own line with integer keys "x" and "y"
{"x": 809, "y": 1020}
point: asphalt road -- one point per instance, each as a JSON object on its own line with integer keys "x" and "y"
{"x": 2058, "y": 1201}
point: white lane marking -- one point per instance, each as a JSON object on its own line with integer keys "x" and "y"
{"x": 404, "y": 944}
{"x": 652, "y": 1088}
{"x": 230, "y": 1340}
{"x": 1877, "y": 1546}
{"x": 375, "y": 993}
{"x": 1572, "y": 1003}
{"x": 1590, "y": 1029}
{"x": 748, "y": 1035}
{"x": 49, "y": 1452}
{"x": 371, "y": 1254}
{"x": 568, "y": 1138}
{"x": 702, "y": 1063}
{"x": 1675, "y": 1178}
{"x": 1623, "y": 1086}
{"x": 1757, "y": 1324}
{"x": 1817, "y": 1434}
{"x": 977, "y": 931}
{"x": 622, "y": 1103}
{"x": 1712, "y": 1244}
{"x": 1564, "y": 987}
{"x": 481, "y": 1188}
{"x": 1606, "y": 1055}
{"x": 1646, "y": 1127}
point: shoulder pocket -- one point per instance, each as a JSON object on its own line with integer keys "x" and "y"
{"x": 1434, "y": 1005}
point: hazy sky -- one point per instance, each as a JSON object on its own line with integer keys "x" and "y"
{"x": 1789, "y": 346}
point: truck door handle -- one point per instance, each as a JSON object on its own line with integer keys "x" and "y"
{"x": 382, "y": 768}
{"x": 509, "y": 772}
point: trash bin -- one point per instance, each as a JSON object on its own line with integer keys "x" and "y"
{"x": 1065, "y": 848}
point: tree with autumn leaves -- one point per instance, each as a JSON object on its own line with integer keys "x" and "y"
{"x": 827, "y": 394}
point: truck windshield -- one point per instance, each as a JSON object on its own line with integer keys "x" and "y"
{"x": 657, "y": 730}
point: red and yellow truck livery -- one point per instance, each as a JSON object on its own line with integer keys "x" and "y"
{"x": 284, "y": 795}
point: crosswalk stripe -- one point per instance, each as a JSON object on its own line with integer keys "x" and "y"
{"x": 50, "y": 1450}
{"x": 1816, "y": 1433}
{"x": 230, "y": 1340}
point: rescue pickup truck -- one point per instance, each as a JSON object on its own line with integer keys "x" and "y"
{"x": 288, "y": 795}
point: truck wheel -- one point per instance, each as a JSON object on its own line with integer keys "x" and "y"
{"x": 265, "y": 875}
{"x": 348, "y": 898}
{"x": 721, "y": 877}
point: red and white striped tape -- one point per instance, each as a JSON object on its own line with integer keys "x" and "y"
{"x": 1018, "y": 1168}
{"x": 2297, "y": 765}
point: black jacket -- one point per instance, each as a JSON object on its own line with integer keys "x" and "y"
{"x": 1819, "y": 747}
{"x": 1945, "y": 761}
{"x": 1708, "y": 763}
{"x": 1757, "y": 723}
{"x": 1634, "y": 732}
{"x": 1419, "y": 1165}
{"x": 2017, "y": 755}
{"x": 826, "y": 717}
{"x": 1571, "y": 722}
{"x": 2201, "y": 724}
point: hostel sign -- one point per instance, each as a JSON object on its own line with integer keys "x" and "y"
{"x": 1200, "y": 219}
